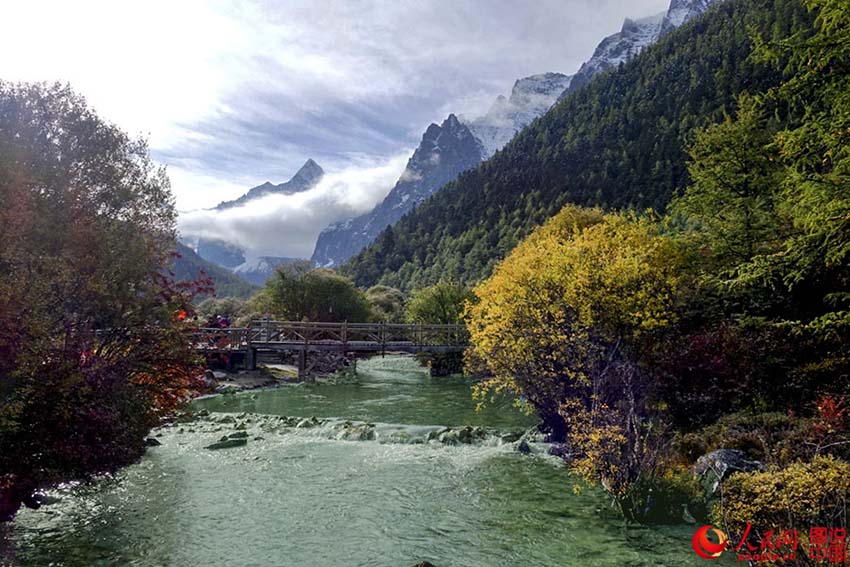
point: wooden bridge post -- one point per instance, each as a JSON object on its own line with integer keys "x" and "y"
{"x": 250, "y": 352}
{"x": 302, "y": 363}
{"x": 250, "y": 358}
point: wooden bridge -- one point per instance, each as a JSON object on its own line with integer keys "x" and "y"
{"x": 303, "y": 337}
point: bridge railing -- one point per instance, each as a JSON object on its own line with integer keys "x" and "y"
{"x": 308, "y": 333}
{"x": 381, "y": 333}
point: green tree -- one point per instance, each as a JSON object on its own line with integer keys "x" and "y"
{"x": 299, "y": 292}
{"x": 442, "y": 304}
{"x": 735, "y": 179}
{"x": 386, "y": 304}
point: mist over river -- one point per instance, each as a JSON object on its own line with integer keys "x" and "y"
{"x": 387, "y": 474}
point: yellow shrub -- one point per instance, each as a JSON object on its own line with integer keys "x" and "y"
{"x": 799, "y": 496}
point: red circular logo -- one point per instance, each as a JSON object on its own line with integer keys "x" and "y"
{"x": 706, "y": 548}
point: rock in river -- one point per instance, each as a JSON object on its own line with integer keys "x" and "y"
{"x": 227, "y": 444}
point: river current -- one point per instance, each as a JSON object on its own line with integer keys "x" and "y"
{"x": 387, "y": 468}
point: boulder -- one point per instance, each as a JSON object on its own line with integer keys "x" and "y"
{"x": 523, "y": 447}
{"x": 227, "y": 444}
{"x": 713, "y": 468}
{"x": 152, "y": 442}
{"x": 425, "y": 564}
{"x": 512, "y": 437}
{"x": 561, "y": 450}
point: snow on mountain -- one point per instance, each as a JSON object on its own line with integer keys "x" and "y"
{"x": 620, "y": 47}
{"x": 531, "y": 97}
{"x": 306, "y": 177}
{"x": 634, "y": 36}
{"x": 444, "y": 152}
{"x": 258, "y": 270}
{"x": 681, "y": 11}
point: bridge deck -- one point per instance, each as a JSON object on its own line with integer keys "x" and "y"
{"x": 304, "y": 337}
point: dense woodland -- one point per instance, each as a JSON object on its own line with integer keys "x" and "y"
{"x": 620, "y": 141}
{"x": 645, "y": 341}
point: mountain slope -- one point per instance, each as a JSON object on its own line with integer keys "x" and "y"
{"x": 189, "y": 266}
{"x": 306, "y": 177}
{"x": 444, "y": 152}
{"x": 260, "y": 269}
{"x": 530, "y": 98}
{"x": 617, "y": 142}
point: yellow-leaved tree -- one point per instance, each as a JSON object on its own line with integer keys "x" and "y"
{"x": 563, "y": 321}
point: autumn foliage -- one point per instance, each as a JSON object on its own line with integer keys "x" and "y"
{"x": 93, "y": 348}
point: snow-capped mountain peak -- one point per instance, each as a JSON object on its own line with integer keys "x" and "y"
{"x": 305, "y": 178}
{"x": 530, "y": 97}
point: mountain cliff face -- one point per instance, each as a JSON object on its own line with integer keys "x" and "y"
{"x": 188, "y": 267}
{"x": 620, "y": 47}
{"x": 220, "y": 252}
{"x": 634, "y": 37}
{"x": 306, "y": 177}
{"x": 444, "y": 152}
{"x": 681, "y": 11}
{"x": 530, "y": 98}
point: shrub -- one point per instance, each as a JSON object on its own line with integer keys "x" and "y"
{"x": 799, "y": 496}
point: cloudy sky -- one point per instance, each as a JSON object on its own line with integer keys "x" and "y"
{"x": 231, "y": 94}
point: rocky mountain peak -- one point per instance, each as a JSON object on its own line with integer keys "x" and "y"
{"x": 309, "y": 173}
{"x": 530, "y": 97}
{"x": 305, "y": 178}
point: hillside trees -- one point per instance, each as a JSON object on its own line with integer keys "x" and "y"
{"x": 618, "y": 142}
{"x": 86, "y": 226}
{"x": 727, "y": 320}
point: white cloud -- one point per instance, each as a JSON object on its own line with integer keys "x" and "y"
{"x": 288, "y": 225}
{"x": 232, "y": 93}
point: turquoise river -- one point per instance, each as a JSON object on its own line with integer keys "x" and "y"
{"x": 387, "y": 474}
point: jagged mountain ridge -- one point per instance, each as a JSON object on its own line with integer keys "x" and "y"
{"x": 530, "y": 98}
{"x": 634, "y": 37}
{"x": 445, "y": 151}
{"x": 306, "y": 177}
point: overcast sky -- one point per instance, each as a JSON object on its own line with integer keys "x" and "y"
{"x": 231, "y": 94}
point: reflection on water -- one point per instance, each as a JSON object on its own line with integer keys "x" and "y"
{"x": 306, "y": 496}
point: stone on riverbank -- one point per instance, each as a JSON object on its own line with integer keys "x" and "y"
{"x": 713, "y": 468}
{"x": 152, "y": 442}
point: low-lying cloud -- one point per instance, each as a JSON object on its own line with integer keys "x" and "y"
{"x": 288, "y": 225}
